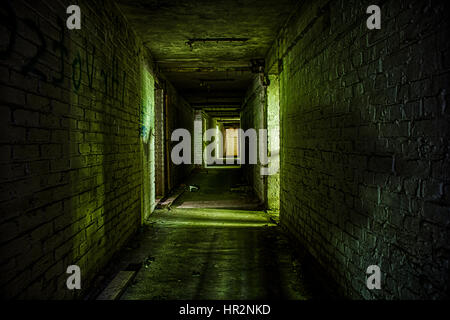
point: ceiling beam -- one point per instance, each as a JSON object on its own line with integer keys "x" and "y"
{"x": 220, "y": 104}
{"x": 204, "y": 69}
{"x": 219, "y": 109}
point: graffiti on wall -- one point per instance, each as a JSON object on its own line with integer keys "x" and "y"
{"x": 83, "y": 64}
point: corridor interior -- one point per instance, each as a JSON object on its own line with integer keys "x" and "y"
{"x": 229, "y": 149}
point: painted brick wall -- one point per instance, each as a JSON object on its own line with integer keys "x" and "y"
{"x": 70, "y": 144}
{"x": 273, "y": 143}
{"x": 197, "y": 153}
{"x": 147, "y": 135}
{"x": 364, "y": 143}
{"x": 252, "y": 117}
{"x": 180, "y": 116}
{"x": 160, "y": 187}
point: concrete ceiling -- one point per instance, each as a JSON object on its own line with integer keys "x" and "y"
{"x": 205, "y": 47}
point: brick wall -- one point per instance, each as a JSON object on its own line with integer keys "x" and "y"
{"x": 197, "y": 153}
{"x": 147, "y": 135}
{"x": 160, "y": 156}
{"x": 206, "y": 124}
{"x": 364, "y": 143}
{"x": 71, "y": 143}
{"x": 273, "y": 142}
{"x": 180, "y": 116}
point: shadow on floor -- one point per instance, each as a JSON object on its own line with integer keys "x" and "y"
{"x": 213, "y": 252}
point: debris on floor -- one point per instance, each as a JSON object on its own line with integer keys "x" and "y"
{"x": 148, "y": 262}
{"x": 194, "y": 188}
{"x": 167, "y": 202}
{"x": 241, "y": 188}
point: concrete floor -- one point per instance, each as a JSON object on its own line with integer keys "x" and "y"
{"x": 220, "y": 188}
{"x": 216, "y": 248}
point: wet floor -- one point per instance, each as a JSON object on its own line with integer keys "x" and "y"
{"x": 218, "y": 247}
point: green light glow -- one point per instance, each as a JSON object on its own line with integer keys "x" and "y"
{"x": 273, "y": 126}
{"x": 148, "y": 142}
